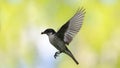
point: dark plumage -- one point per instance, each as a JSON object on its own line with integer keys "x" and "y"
{"x": 66, "y": 33}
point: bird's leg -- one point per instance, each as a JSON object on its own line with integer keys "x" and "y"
{"x": 56, "y": 54}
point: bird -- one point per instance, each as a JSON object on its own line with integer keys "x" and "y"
{"x": 65, "y": 34}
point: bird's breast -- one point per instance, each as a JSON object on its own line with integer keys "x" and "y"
{"x": 57, "y": 43}
{"x": 54, "y": 40}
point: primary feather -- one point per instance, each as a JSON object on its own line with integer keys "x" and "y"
{"x": 71, "y": 27}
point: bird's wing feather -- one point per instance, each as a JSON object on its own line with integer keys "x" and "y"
{"x": 71, "y": 28}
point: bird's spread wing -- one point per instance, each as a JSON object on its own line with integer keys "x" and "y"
{"x": 71, "y": 28}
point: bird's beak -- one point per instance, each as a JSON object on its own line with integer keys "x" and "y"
{"x": 42, "y": 33}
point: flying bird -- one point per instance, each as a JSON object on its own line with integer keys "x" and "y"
{"x": 65, "y": 34}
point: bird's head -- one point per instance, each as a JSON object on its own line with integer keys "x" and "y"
{"x": 49, "y": 32}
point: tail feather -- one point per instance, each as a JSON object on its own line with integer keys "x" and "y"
{"x": 71, "y": 55}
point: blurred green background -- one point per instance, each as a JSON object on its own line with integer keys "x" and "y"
{"x": 97, "y": 45}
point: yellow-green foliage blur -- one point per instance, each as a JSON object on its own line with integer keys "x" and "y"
{"x": 97, "y": 45}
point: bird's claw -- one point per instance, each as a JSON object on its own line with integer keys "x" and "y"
{"x": 56, "y": 54}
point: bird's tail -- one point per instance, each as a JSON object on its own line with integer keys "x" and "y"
{"x": 71, "y": 55}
